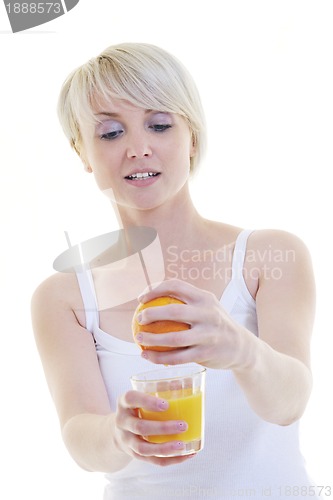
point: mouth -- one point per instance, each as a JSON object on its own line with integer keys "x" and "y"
{"x": 139, "y": 176}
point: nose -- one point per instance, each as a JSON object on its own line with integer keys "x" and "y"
{"x": 138, "y": 146}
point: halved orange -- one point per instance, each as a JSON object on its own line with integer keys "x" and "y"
{"x": 163, "y": 326}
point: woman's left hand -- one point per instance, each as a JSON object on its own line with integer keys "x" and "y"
{"x": 213, "y": 339}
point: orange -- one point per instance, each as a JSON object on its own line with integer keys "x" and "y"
{"x": 163, "y": 326}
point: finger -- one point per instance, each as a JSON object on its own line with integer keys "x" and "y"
{"x": 144, "y": 448}
{"x": 174, "y": 340}
{"x": 170, "y": 312}
{"x": 136, "y": 399}
{"x": 174, "y": 357}
{"x": 143, "y": 427}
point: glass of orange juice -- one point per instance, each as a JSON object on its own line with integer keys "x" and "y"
{"x": 183, "y": 386}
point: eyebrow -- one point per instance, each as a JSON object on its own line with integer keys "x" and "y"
{"x": 106, "y": 113}
{"x": 116, "y": 115}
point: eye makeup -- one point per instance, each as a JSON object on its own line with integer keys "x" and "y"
{"x": 110, "y": 129}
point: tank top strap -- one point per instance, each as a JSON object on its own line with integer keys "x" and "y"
{"x": 89, "y": 299}
{"x": 238, "y": 257}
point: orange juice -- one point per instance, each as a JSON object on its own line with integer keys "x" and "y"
{"x": 182, "y": 406}
{"x": 183, "y": 387}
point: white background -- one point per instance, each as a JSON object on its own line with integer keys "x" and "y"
{"x": 264, "y": 70}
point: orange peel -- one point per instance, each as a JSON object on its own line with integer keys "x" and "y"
{"x": 161, "y": 326}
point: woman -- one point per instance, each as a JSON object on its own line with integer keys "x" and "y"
{"x": 134, "y": 117}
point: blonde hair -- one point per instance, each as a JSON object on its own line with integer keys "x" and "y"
{"x": 143, "y": 74}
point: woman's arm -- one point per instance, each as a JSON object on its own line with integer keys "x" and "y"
{"x": 278, "y": 380}
{"x": 96, "y": 438}
{"x": 71, "y": 368}
{"x": 273, "y": 369}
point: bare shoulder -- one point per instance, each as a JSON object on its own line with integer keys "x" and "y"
{"x": 276, "y": 258}
{"x": 281, "y": 258}
{"x": 57, "y": 293}
{"x": 58, "y": 286}
{"x": 276, "y": 239}
{"x": 277, "y": 248}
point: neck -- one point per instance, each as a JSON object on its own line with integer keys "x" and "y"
{"x": 177, "y": 221}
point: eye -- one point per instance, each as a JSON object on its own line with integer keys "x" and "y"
{"x": 160, "y": 127}
{"x": 109, "y": 130}
{"x": 113, "y": 134}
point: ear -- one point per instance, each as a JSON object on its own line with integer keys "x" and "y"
{"x": 193, "y": 146}
{"x": 81, "y": 155}
{"x": 85, "y": 162}
{"x": 87, "y": 168}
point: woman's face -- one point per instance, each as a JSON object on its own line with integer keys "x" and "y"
{"x": 140, "y": 158}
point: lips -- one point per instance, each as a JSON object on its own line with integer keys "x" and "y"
{"x": 139, "y": 176}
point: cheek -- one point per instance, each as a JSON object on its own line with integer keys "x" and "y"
{"x": 102, "y": 163}
{"x": 104, "y": 178}
{"x": 180, "y": 147}
{"x": 183, "y": 152}
{"x": 188, "y": 147}
{"x": 106, "y": 186}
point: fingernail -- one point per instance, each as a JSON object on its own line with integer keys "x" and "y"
{"x": 139, "y": 318}
{"x": 144, "y": 355}
{"x": 163, "y": 405}
{"x": 182, "y": 426}
{"x": 139, "y": 338}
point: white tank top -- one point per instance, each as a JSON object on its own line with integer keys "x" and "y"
{"x": 243, "y": 454}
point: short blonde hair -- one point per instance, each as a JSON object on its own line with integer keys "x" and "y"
{"x": 143, "y": 74}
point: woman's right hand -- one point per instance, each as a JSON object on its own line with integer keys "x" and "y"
{"x": 130, "y": 429}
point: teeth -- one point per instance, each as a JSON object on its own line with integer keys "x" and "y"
{"x": 142, "y": 175}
